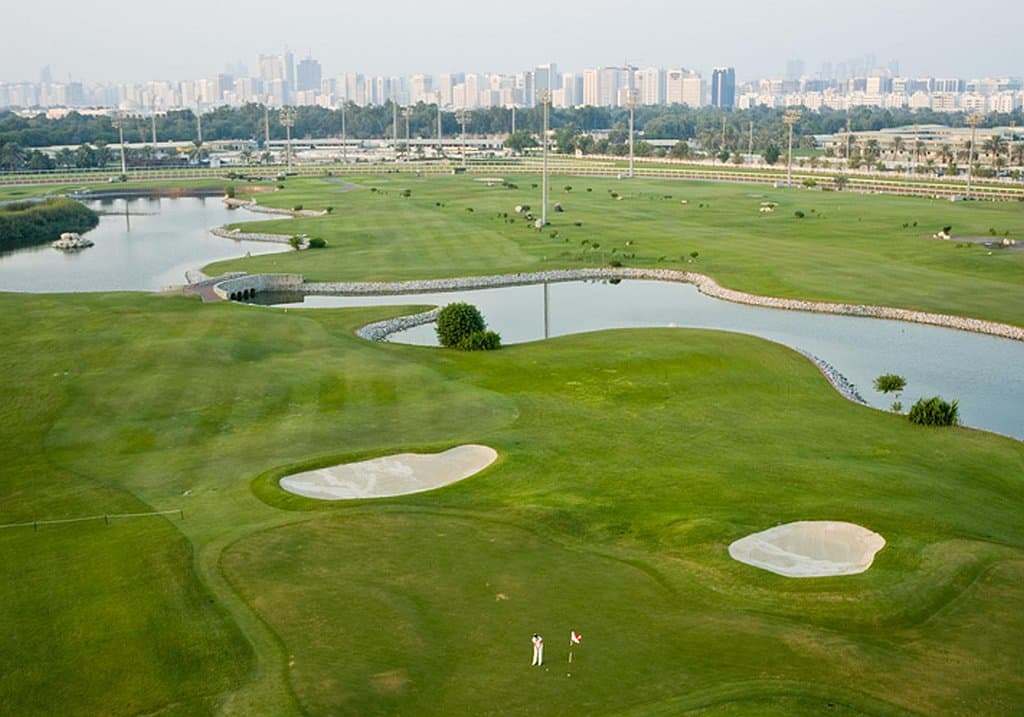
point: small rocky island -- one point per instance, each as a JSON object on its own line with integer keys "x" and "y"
{"x": 71, "y": 241}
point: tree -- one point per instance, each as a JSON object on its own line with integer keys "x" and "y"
{"x": 892, "y": 383}
{"x": 840, "y": 180}
{"x": 520, "y": 140}
{"x": 680, "y": 150}
{"x": 772, "y": 153}
{"x": 457, "y": 321}
{"x": 995, "y": 146}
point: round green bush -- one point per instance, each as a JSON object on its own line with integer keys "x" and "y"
{"x": 457, "y": 321}
{"x": 317, "y": 243}
{"x": 481, "y": 341}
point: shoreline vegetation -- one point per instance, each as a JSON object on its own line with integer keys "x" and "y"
{"x": 25, "y": 224}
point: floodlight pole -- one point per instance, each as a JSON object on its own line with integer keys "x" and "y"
{"x": 394, "y": 127}
{"x": 118, "y": 122}
{"x": 791, "y": 117}
{"x": 460, "y": 115}
{"x": 545, "y": 98}
{"x": 199, "y": 124}
{"x": 266, "y": 127}
{"x": 344, "y": 136}
{"x": 631, "y": 99}
{"x": 973, "y": 120}
{"x": 288, "y": 121}
{"x": 153, "y": 118}
{"x": 407, "y": 113}
{"x": 440, "y": 144}
{"x": 513, "y": 119}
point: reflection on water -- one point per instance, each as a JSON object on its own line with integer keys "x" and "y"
{"x": 983, "y": 372}
{"x": 140, "y": 245}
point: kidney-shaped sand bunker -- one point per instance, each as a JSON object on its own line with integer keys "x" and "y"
{"x": 810, "y": 549}
{"x": 399, "y": 474}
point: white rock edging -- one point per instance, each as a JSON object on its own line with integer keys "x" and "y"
{"x": 705, "y": 284}
{"x": 380, "y": 330}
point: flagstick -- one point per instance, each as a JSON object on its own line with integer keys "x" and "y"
{"x": 569, "y": 673}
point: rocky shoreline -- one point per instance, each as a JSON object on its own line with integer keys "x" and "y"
{"x": 705, "y": 284}
{"x": 839, "y": 382}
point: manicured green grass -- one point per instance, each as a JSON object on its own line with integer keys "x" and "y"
{"x": 848, "y": 247}
{"x": 629, "y": 461}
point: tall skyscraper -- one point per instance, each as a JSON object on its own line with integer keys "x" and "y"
{"x": 308, "y": 75}
{"x": 723, "y": 87}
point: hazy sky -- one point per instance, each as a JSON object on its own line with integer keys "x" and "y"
{"x": 110, "y": 40}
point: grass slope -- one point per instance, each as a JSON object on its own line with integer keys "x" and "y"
{"x": 629, "y": 461}
{"x": 848, "y": 247}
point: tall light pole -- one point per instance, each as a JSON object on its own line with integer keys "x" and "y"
{"x": 199, "y": 126}
{"x": 288, "y": 121}
{"x": 344, "y": 136}
{"x": 394, "y": 127}
{"x": 849, "y": 137}
{"x": 631, "y": 99}
{"x": 152, "y": 118}
{"x": 460, "y": 115}
{"x": 750, "y": 144}
{"x": 545, "y": 98}
{"x": 513, "y": 119}
{"x": 407, "y": 113}
{"x": 973, "y": 120}
{"x": 118, "y": 123}
{"x": 791, "y": 117}
{"x": 440, "y": 146}
{"x": 266, "y": 127}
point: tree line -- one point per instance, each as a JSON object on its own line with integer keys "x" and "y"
{"x": 717, "y": 131}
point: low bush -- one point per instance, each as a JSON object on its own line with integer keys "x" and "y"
{"x": 934, "y": 411}
{"x": 295, "y": 242}
{"x": 798, "y": 214}
{"x": 229, "y": 191}
{"x": 297, "y": 208}
{"x": 317, "y": 243}
{"x": 481, "y": 341}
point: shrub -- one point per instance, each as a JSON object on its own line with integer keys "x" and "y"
{"x": 457, "y": 321}
{"x": 798, "y": 214}
{"x": 934, "y": 412}
{"x": 615, "y": 263}
{"x": 297, "y": 208}
{"x": 890, "y": 383}
{"x": 229, "y": 191}
{"x": 295, "y": 242}
{"x": 810, "y": 182}
{"x": 406, "y": 193}
{"x": 329, "y": 209}
{"x": 317, "y": 243}
{"x": 481, "y": 341}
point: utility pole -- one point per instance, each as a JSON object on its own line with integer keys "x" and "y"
{"x": 790, "y": 118}
{"x": 631, "y": 98}
{"x": 118, "y": 123}
{"x": 973, "y": 120}
{"x": 545, "y": 98}
{"x": 288, "y": 121}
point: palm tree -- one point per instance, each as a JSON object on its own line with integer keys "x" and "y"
{"x": 897, "y": 147}
{"x": 994, "y": 145}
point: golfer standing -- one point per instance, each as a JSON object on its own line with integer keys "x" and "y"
{"x": 538, "y": 650}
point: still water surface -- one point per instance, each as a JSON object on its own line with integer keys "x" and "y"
{"x": 140, "y": 245}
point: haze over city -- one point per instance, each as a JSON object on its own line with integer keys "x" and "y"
{"x": 110, "y": 40}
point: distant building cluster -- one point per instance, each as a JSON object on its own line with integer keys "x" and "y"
{"x": 280, "y": 81}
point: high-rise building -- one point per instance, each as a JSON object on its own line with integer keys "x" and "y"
{"x": 650, "y": 82}
{"x": 794, "y": 69}
{"x": 308, "y": 75}
{"x": 723, "y": 87}
{"x": 591, "y": 87}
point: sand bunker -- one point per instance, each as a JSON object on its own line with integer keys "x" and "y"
{"x": 810, "y": 549}
{"x": 400, "y": 474}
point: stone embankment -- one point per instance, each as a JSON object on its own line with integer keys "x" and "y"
{"x": 254, "y": 236}
{"x": 380, "y": 330}
{"x": 705, "y": 284}
{"x": 252, "y": 206}
{"x": 246, "y": 286}
{"x": 839, "y": 382}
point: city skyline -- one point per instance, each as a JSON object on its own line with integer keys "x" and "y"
{"x": 198, "y": 40}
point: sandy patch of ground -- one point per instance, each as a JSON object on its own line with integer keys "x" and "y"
{"x": 400, "y": 474}
{"x": 810, "y": 549}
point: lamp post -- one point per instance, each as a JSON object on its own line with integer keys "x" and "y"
{"x": 394, "y": 127}
{"x": 973, "y": 120}
{"x": 118, "y": 123}
{"x": 790, "y": 118}
{"x": 631, "y": 99}
{"x": 545, "y": 98}
{"x": 288, "y": 121}
{"x": 460, "y": 115}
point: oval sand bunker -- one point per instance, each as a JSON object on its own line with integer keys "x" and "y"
{"x": 400, "y": 474}
{"x": 810, "y": 549}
